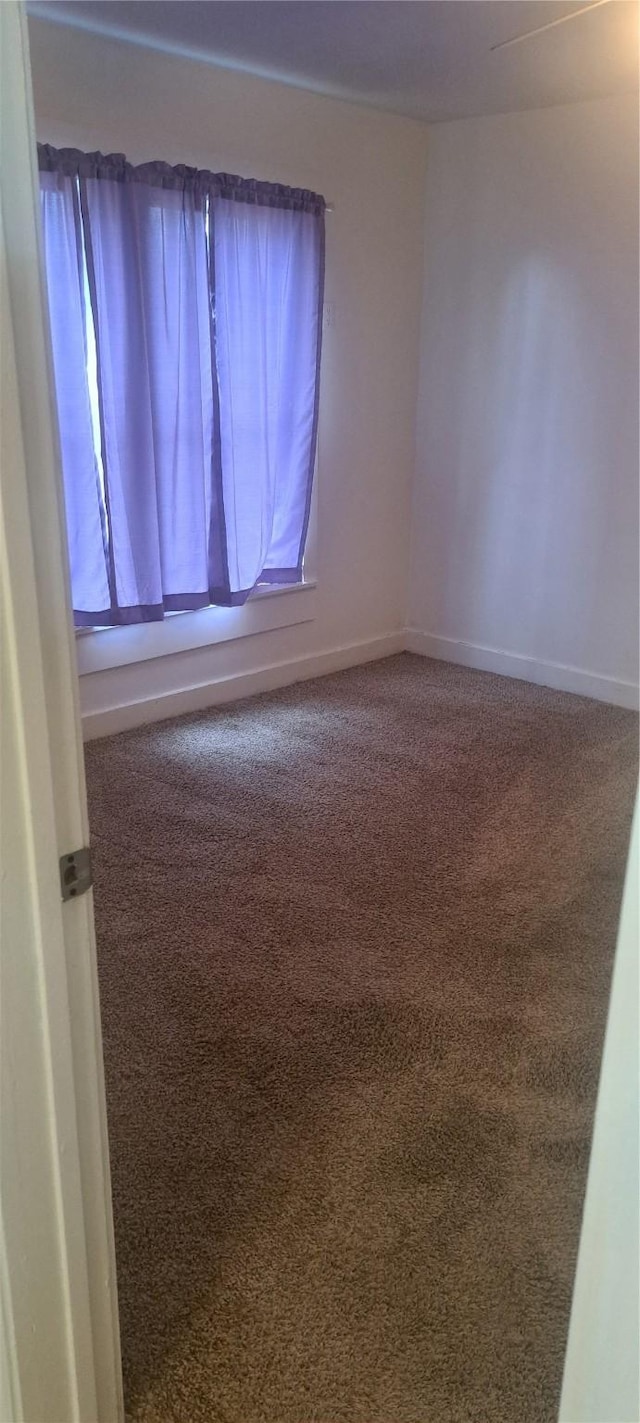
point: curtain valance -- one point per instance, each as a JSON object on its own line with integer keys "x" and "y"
{"x": 73, "y": 163}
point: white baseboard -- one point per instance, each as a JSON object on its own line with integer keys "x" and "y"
{"x": 562, "y": 678}
{"x": 511, "y": 664}
{"x": 228, "y": 689}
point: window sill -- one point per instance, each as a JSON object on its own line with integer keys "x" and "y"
{"x": 266, "y": 610}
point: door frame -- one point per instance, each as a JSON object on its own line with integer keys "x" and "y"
{"x": 59, "y": 1333}
{"x": 601, "y": 1382}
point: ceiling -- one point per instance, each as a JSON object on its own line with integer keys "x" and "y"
{"x": 430, "y": 59}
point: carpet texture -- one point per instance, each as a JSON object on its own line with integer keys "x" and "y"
{"x": 355, "y": 942}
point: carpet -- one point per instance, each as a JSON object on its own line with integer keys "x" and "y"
{"x": 355, "y": 942}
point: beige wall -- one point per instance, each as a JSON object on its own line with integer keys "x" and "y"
{"x": 100, "y": 93}
{"x": 525, "y": 514}
{"x": 523, "y": 366}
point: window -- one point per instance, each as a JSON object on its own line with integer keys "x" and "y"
{"x": 185, "y": 311}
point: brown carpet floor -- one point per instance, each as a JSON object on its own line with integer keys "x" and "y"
{"x": 355, "y": 944}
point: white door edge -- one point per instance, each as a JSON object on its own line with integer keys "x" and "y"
{"x": 60, "y": 1337}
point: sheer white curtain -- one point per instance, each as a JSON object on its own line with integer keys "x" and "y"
{"x": 86, "y": 517}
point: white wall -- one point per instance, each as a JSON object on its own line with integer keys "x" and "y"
{"x": 525, "y": 514}
{"x": 524, "y": 522}
{"x": 97, "y": 93}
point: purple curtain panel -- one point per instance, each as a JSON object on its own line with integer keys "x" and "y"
{"x": 186, "y": 325}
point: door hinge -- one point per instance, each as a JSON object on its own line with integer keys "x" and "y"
{"x": 75, "y": 873}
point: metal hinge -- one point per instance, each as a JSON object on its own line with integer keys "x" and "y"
{"x": 75, "y": 873}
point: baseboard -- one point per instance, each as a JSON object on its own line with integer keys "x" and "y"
{"x": 228, "y": 689}
{"x": 110, "y": 720}
{"x": 511, "y": 664}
